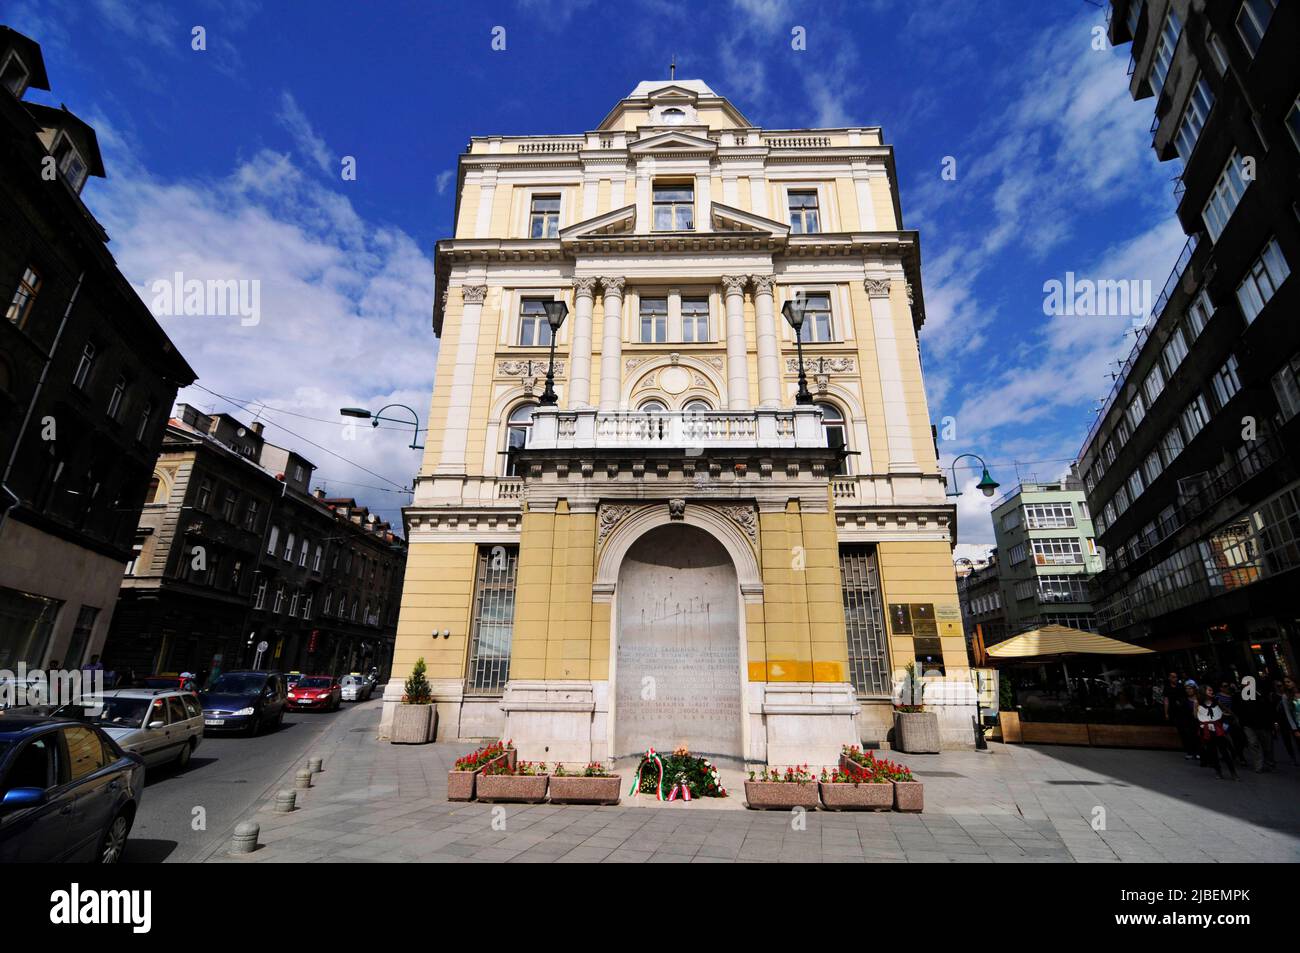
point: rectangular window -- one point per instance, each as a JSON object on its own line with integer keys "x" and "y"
{"x": 1135, "y": 485}
{"x": 84, "y": 366}
{"x": 1135, "y": 411}
{"x": 695, "y": 320}
{"x": 1012, "y": 519}
{"x": 146, "y": 418}
{"x": 20, "y": 306}
{"x": 1223, "y": 200}
{"x": 287, "y": 555}
{"x": 817, "y": 326}
{"x": 316, "y": 560}
{"x": 674, "y": 207}
{"x": 1151, "y": 467}
{"x": 203, "y": 498}
{"x": 250, "y": 515}
{"x": 534, "y": 329}
{"x": 1171, "y": 445}
{"x": 544, "y": 217}
{"x": 1049, "y": 515}
{"x": 259, "y": 593}
{"x": 654, "y": 320}
{"x": 492, "y": 625}
{"x": 1293, "y": 122}
{"x": 1167, "y": 42}
{"x": 1286, "y": 387}
{"x": 1226, "y": 381}
{"x": 1057, "y": 551}
{"x": 1153, "y": 385}
{"x": 1017, "y": 554}
{"x": 1054, "y": 589}
{"x": 1193, "y": 121}
{"x": 272, "y": 540}
{"x": 133, "y": 563}
{"x": 864, "y": 620}
{"x": 278, "y": 605}
{"x": 230, "y": 505}
{"x": 1252, "y": 23}
{"x": 115, "y": 398}
{"x": 804, "y": 219}
{"x": 76, "y": 650}
{"x": 1174, "y": 352}
{"x": 1199, "y": 313}
{"x": 1195, "y": 417}
{"x": 1218, "y": 52}
{"x": 1266, "y": 274}
{"x": 302, "y": 552}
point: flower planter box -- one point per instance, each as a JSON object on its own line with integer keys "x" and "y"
{"x": 460, "y": 785}
{"x": 848, "y": 765}
{"x": 867, "y": 796}
{"x": 909, "y": 796}
{"x": 512, "y": 757}
{"x": 781, "y": 795}
{"x": 414, "y": 724}
{"x": 580, "y": 790}
{"x": 522, "y": 788}
{"x": 916, "y": 732}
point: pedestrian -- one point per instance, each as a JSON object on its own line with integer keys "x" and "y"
{"x": 1284, "y": 722}
{"x": 1181, "y": 710}
{"x": 1227, "y": 698}
{"x": 1257, "y": 728}
{"x": 1215, "y": 747}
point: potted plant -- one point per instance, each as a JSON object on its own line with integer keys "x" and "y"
{"x": 909, "y": 793}
{"x": 590, "y": 785}
{"x": 916, "y": 730}
{"x": 854, "y": 787}
{"x": 770, "y": 788}
{"x": 526, "y": 782}
{"x": 460, "y": 779}
{"x": 415, "y": 722}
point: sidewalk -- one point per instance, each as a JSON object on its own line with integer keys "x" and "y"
{"x": 382, "y": 802}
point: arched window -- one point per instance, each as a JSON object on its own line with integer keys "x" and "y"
{"x": 836, "y": 433}
{"x": 651, "y": 428}
{"x": 697, "y": 405}
{"x": 653, "y": 407}
{"x": 674, "y": 116}
{"x": 518, "y": 426}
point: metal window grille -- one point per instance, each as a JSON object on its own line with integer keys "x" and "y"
{"x": 494, "y": 618}
{"x": 864, "y": 620}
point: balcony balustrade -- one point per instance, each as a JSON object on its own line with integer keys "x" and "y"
{"x": 587, "y": 429}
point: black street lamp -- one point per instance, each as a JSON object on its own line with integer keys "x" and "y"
{"x": 556, "y": 311}
{"x": 374, "y": 419}
{"x": 987, "y": 485}
{"x": 794, "y": 314}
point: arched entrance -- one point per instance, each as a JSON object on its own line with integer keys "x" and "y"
{"x": 677, "y": 664}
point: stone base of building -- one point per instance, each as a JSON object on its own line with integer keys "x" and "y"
{"x": 804, "y": 722}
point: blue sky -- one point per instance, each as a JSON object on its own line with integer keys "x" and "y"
{"x": 226, "y": 163}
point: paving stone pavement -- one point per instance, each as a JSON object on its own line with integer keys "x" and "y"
{"x": 1016, "y": 804}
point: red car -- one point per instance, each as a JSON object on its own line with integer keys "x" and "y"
{"x": 315, "y": 693}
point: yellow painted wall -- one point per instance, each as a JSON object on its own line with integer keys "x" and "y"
{"x": 921, "y": 571}
{"x": 436, "y": 594}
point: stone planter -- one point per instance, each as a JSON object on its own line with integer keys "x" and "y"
{"x": 848, "y": 765}
{"x": 524, "y": 788}
{"x": 577, "y": 790}
{"x": 781, "y": 795}
{"x": 867, "y": 796}
{"x": 909, "y": 796}
{"x": 460, "y": 785}
{"x": 916, "y": 732}
{"x": 414, "y": 724}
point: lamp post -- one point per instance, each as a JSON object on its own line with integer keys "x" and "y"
{"x": 987, "y": 485}
{"x": 794, "y": 314}
{"x": 555, "y": 314}
{"x": 375, "y": 417}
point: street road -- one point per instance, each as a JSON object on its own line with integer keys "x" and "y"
{"x": 228, "y": 777}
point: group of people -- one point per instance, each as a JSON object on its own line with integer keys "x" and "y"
{"x": 1234, "y": 724}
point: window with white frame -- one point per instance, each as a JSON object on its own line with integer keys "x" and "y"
{"x": 303, "y": 549}
{"x": 272, "y": 540}
{"x": 1024, "y": 589}
{"x": 1153, "y": 385}
{"x": 85, "y": 365}
{"x": 20, "y": 305}
{"x": 544, "y": 216}
{"x": 804, "y": 216}
{"x": 146, "y": 418}
{"x": 1252, "y": 22}
{"x": 1174, "y": 351}
{"x": 1223, "y": 200}
{"x": 278, "y": 604}
{"x": 1217, "y": 51}
{"x": 1135, "y": 411}
{"x": 293, "y": 602}
{"x": 695, "y": 320}
{"x": 15, "y": 76}
{"x": 316, "y": 560}
{"x": 1263, "y": 279}
{"x": 1135, "y": 484}
{"x": 1122, "y": 499}
{"x": 1198, "y": 316}
{"x": 115, "y": 398}
{"x": 306, "y": 607}
{"x": 288, "y": 548}
{"x": 1286, "y": 387}
{"x": 1166, "y": 43}
{"x": 518, "y": 427}
{"x": 1110, "y": 451}
{"x": 1293, "y": 122}
{"x": 1171, "y": 444}
{"x": 1195, "y": 416}
{"x": 1057, "y": 551}
{"x": 1072, "y": 588}
{"x": 654, "y": 320}
{"x": 72, "y": 167}
{"x": 534, "y": 329}
{"x": 817, "y": 324}
{"x": 674, "y": 207}
{"x": 1011, "y": 519}
{"x": 836, "y": 435}
{"x": 1152, "y": 466}
{"x": 1198, "y": 109}
{"x": 259, "y": 593}
{"x": 1017, "y": 554}
{"x": 1226, "y": 381}
{"x": 1049, "y": 515}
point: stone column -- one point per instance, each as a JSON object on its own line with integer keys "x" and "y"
{"x": 898, "y": 428}
{"x": 769, "y": 351}
{"x": 456, "y": 430}
{"x": 584, "y": 292}
{"x": 737, "y": 363}
{"x": 611, "y": 345}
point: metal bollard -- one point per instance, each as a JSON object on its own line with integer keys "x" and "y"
{"x": 285, "y": 801}
{"x": 245, "y": 839}
{"x": 317, "y": 765}
{"x": 304, "y": 778}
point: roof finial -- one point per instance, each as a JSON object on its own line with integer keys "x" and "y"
{"x": 672, "y": 67}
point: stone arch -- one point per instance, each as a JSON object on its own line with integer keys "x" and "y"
{"x": 494, "y": 442}
{"x": 713, "y": 386}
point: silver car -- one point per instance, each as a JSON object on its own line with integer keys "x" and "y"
{"x": 161, "y": 725}
{"x": 356, "y": 688}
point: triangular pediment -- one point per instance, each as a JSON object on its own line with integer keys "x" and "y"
{"x": 678, "y": 94}
{"x": 728, "y": 219}
{"x": 675, "y": 142}
{"x": 619, "y": 221}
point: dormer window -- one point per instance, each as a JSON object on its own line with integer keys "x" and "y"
{"x": 15, "y": 76}
{"x": 673, "y": 116}
{"x": 674, "y": 207}
{"x": 71, "y": 166}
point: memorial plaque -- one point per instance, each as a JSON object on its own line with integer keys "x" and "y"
{"x": 677, "y": 669}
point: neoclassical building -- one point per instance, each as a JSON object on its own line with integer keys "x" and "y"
{"x": 677, "y": 552}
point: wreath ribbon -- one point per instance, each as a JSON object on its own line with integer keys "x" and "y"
{"x": 650, "y": 757}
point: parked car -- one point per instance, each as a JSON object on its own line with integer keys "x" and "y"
{"x": 356, "y": 688}
{"x": 183, "y": 682}
{"x": 160, "y": 725}
{"x": 292, "y": 679}
{"x": 316, "y": 693}
{"x": 68, "y": 792}
{"x": 243, "y": 701}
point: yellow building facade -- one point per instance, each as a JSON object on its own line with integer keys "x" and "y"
{"x": 677, "y": 551}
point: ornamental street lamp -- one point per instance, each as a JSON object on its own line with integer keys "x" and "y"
{"x": 794, "y": 314}
{"x": 556, "y": 311}
{"x": 987, "y": 485}
{"x": 375, "y": 417}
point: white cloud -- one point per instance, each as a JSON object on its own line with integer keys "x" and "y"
{"x": 308, "y": 141}
{"x": 444, "y": 180}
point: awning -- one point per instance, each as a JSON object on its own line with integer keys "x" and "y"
{"x": 1052, "y": 641}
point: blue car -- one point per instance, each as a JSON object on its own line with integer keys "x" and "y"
{"x": 67, "y": 791}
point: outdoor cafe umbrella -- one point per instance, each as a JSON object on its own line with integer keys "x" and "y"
{"x": 1056, "y": 643}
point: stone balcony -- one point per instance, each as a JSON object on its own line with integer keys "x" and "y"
{"x": 784, "y": 428}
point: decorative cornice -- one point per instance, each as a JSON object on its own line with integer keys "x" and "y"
{"x": 745, "y": 518}
{"x": 823, "y": 365}
{"x": 527, "y": 368}
{"x": 473, "y": 294}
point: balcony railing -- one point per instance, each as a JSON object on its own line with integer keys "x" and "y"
{"x": 776, "y": 428}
